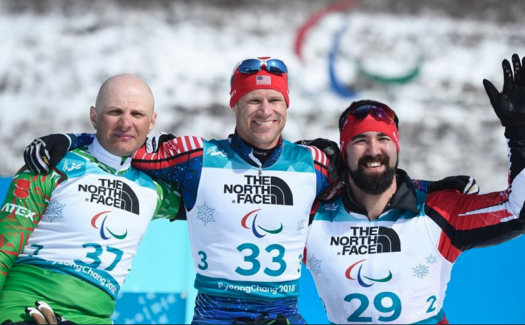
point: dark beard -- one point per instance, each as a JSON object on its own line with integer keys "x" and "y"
{"x": 373, "y": 184}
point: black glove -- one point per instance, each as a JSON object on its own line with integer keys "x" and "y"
{"x": 44, "y": 153}
{"x": 335, "y": 165}
{"x": 331, "y": 150}
{"x": 509, "y": 105}
{"x": 155, "y": 142}
{"x": 461, "y": 183}
{"x": 42, "y": 314}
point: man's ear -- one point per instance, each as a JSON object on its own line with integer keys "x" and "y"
{"x": 93, "y": 116}
{"x": 152, "y": 122}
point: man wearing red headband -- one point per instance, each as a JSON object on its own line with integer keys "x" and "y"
{"x": 247, "y": 201}
{"x": 383, "y": 251}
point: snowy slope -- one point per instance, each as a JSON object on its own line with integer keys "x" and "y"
{"x": 55, "y": 55}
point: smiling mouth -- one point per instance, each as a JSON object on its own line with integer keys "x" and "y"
{"x": 372, "y": 166}
{"x": 264, "y": 123}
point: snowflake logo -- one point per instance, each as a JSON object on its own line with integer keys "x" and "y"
{"x": 205, "y": 214}
{"x": 54, "y": 210}
{"x": 315, "y": 265}
{"x": 431, "y": 259}
{"x": 300, "y": 225}
{"x": 420, "y": 271}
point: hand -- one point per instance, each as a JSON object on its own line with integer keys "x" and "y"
{"x": 44, "y": 153}
{"x": 154, "y": 143}
{"x": 509, "y": 105}
{"x": 42, "y": 314}
{"x": 461, "y": 183}
{"x": 335, "y": 165}
{"x": 331, "y": 150}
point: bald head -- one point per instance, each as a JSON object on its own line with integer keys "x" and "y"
{"x": 123, "y": 114}
{"x": 123, "y": 83}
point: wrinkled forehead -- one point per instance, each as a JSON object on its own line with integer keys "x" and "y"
{"x": 130, "y": 93}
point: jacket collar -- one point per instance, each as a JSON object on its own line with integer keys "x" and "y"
{"x": 117, "y": 163}
{"x": 246, "y": 151}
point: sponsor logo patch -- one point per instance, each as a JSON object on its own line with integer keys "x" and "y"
{"x": 113, "y": 193}
{"x": 22, "y": 187}
{"x": 367, "y": 240}
{"x": 261, "y": 190}
{"x": 19, "y": 211}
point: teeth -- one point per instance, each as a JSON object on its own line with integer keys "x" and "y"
{"x": 264, "y": 123}
{"x": 374, "y": 164}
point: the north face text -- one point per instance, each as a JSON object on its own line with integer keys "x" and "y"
{"x": 112, "y": 193}
{"x": 368, "y": 240}
{"x": 261, "y": 190}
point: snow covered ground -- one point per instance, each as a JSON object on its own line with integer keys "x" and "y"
{"x": 55, "y": 55}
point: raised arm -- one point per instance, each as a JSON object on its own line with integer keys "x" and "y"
{"x": 481, "y": 220}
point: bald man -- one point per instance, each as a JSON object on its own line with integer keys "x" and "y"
{"x": 123, "y": 114}
{"x": 68, "y": 237}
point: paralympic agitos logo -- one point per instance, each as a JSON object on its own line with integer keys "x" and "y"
{"x": 105, "y": 232}
{"x": 255, "y": 226}
{"x": 361, "y": 278}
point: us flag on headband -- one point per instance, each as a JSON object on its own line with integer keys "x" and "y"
{"x": 264, "y": 80}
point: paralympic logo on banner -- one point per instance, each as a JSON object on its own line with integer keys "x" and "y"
{"x": 103, "y": 228}
{"x": 336, "y": 84}
{"x": 360, "y": 278}
{"x": 255, "y": 226}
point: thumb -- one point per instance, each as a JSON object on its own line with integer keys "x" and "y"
{"x": 472, "y": 187}
{"x": 492, "y": 92}
{"x": 329, "y": 151}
